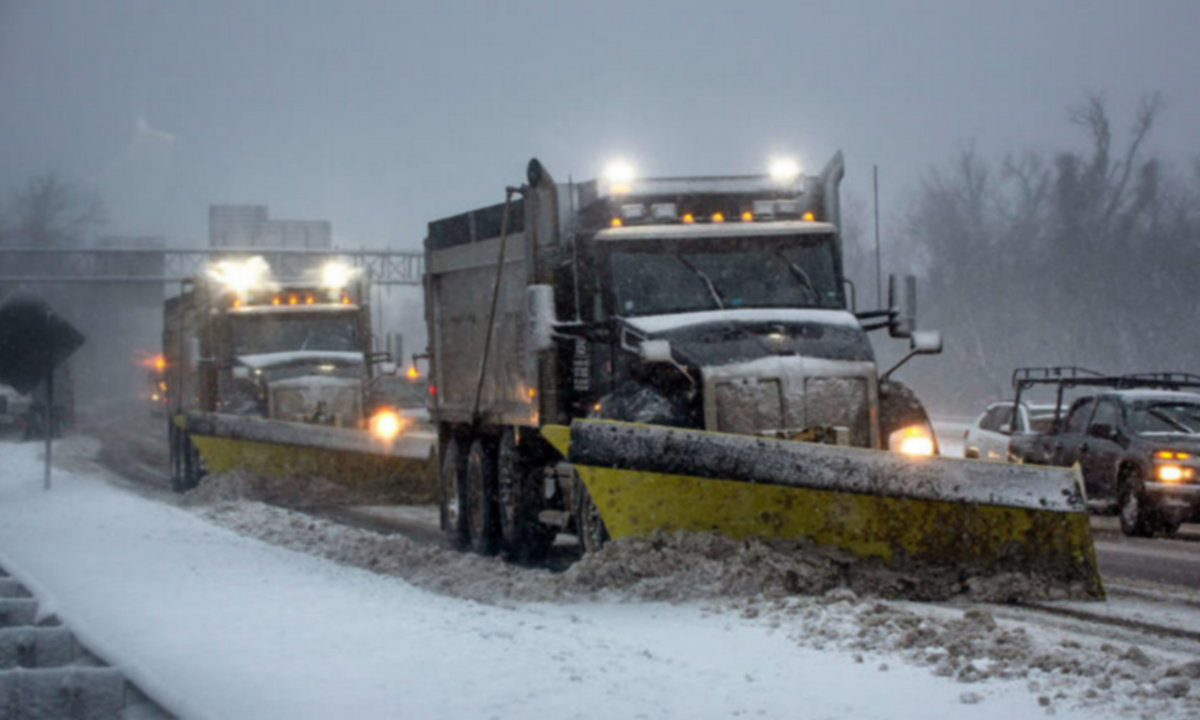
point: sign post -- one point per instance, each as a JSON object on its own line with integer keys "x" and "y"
{"x": 34, "y": 341}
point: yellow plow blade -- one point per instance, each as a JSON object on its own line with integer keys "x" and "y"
{"x": 986, "y": 519}
{"x": 351, "y": 458}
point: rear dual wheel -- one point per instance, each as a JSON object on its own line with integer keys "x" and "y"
{"x": 468, "y": 496}
{"x": 520, "y": 498}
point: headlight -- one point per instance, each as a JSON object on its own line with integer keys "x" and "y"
{"x": 1174, "y": 473}
{"x": 386, "y": 425}
{"x": 916, "y": 440}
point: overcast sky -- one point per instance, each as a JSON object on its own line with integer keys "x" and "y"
{"x": 383, "y": 115}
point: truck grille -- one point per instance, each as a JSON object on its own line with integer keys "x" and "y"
{"x": 324, "y": 400}
{"x": 748, "y": 406}
{"x": 839, "y": 402}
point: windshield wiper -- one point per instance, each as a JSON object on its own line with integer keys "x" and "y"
{"x": 799, "y": 274}
{"x": 712, "y": 289}
{"x": 1170, "y": 421}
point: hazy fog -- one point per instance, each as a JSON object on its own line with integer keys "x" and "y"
{"x": 382, "y": 115}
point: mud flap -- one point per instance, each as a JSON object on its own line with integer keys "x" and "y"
{"x": 351, "y": 458}
{"x": 985, "y": 519}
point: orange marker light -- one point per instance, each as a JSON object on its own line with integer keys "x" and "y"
{"x": 345, "y": 299}
{"x": 413, "y": 374}
{"x": 308, "y": 300}
{"x": 532, "y": 393}
{"x": 159, "y": 363}
{"x": 275, "y": 300}
{"x": 808, "y": 216}
{"x": 292, "y": 299}
{"x": 616, "y": 222}
{"x": 688, "y": 219}
{"x": 237, "y": 302}
{"x": 747, "y": 216}
{"x": 718, "y": 217}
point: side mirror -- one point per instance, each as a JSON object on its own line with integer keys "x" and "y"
{"x": 656, "y": 351}
{"x": 926, "y": 342}
{"x": 904, "y": 321}
{"x": 192, "y": 348}
{"x": 539, "y": 314}
{"x": 1006, "y": 429}
{"x": 1102, "y": 431}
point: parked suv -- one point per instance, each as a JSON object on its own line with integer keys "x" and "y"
{"x": 1138, "y": 449}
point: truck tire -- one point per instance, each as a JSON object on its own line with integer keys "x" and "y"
{"x": 592, "y": 534}
{"x": 452, "y": 495}
{"x": 1136, "y": 516}
{"x": 483, "y": 517}
{"x": 521, "y": 497}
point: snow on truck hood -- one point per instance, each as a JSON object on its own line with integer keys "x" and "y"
{"x": 266, "y": 360}
{"x": 653, "y": 324}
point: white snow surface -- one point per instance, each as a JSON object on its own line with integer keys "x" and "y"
{"x": 213, "y": 624}
{"x": 652, "y": 324}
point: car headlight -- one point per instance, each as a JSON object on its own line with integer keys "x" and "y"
{"x": 914, "y": 440}
{"x": 1174, "y": 473}
{"x": 386, "y": 424}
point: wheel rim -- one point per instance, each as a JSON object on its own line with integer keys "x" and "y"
{"x": 475, "y": 504}
{"x": 1130, "y": 509}
{"x": 450, "y": 493}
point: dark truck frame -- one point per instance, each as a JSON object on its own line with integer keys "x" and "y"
{"x": 523, "y": 332}
{"x": 1122, "y": 468}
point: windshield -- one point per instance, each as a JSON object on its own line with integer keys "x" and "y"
{"x": 1166, "y": 418}
{"x": 260, "y": 334}
{"x": 729, "y": 273}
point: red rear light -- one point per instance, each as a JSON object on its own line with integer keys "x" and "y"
{"x": 432, "y": 390}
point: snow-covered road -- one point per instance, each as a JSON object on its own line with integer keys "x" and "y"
{"x": 216, "y": 625}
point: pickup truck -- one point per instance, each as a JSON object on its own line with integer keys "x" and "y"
{"x": 1138, "y": 450}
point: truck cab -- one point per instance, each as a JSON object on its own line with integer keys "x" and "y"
{"x": 711, "y": 303}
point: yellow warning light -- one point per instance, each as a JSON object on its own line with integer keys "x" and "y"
{"x": 808, "y": 216}
{"x": 747, "y": 216}
{"x": 532, "y": 393}
{"x": 688, "y": 219}
{"x": 308, "y": 300}
{"x": 718, "y": 217}
{"x": 237, "y": 302}
{"x": 413, "y": 373}
{"x": 160, "y": 363}
{"x": 616, "y": 222}
{"x": 596, "y": 407}
{"x": 292, "y": 299}
{"x": 345, "y": 299}
{"x": 275, "y": 300}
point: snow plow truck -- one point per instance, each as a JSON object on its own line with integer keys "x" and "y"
{"x": 627, "y": 356}
{"x": 271, "y": 377}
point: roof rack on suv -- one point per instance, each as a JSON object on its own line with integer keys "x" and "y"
{"x": 1070, "y": 377}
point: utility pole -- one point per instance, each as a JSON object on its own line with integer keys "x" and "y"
{"x": 878, "y": 260}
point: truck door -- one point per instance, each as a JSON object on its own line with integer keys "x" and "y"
{"x": 1099, "y": 450}
{"x": 1064, "y": 448}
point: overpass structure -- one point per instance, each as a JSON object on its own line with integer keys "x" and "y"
{"x": 173, "y": 265}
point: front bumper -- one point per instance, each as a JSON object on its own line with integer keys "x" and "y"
{"x": 1176, "y": 496}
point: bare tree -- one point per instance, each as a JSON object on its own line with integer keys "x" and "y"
{"x": 49, "y": 211}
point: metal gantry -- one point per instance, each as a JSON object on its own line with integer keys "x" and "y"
{"x": 172, "y": 265}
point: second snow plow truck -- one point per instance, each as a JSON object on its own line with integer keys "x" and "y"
{"x": 625, "y": 356}
{"x": 271, "y": 375}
